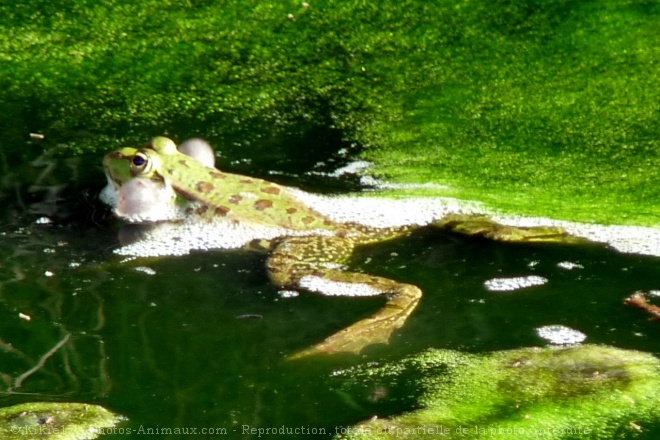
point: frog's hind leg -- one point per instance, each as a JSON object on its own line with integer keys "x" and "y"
{"x": 314, "y": 264}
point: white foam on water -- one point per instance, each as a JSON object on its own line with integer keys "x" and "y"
{"x": 569, "y": 265}
{"x": 560, "y": 335}
{"x": 328, "y": 287}
{"x": 381, "y": 212}
{"x": 514, "y": 283}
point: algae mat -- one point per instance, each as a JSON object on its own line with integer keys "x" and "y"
{"x": 56, "y": 421}
{"x": 554, "y": 393}
{"x": 544, "y": 108}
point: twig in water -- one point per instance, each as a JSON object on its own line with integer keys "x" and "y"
{"x": 19, "y": 380}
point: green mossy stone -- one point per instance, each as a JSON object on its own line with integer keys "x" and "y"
{"x": 55, "y": 421}
{"x": 551, "y": 393}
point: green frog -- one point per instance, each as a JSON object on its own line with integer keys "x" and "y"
{"x": 307, "y": 247}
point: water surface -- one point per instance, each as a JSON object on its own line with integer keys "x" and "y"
{"x": 200, "y": 341}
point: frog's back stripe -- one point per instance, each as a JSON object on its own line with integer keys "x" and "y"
{"x": 242, "y": 198}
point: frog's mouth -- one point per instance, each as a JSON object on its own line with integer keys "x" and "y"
{"x": 117, "y": 166}
{"x": 108, "y": 194}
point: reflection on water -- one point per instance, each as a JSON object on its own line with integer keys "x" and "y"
{"x": 51, "y": 336}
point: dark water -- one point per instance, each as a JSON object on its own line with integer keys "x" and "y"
{"x": 201, "y": 342}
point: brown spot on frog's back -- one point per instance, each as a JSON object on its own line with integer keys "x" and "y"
{"x": 307, "y": 219}
{"x": 204, "y": 187}
{"x": 222, "y": 211}
{"x": 201, "y": 210}
{"x": 235, "y": 199}
{"x": 271, "y": 190}
{"x": 218, "y": 175}
{"x": 291, "y": 210}
{"x": 262, "y": 204}
{"x": 246, "y": 181}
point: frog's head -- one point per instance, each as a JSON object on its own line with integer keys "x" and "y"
{"x": 127, "y": 163}
{"x": 153, "y": 183}
{"x": 148, "y": 162}
{"x": 136, "y": 186}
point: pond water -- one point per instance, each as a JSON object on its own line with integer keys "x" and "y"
{"x": 199, "y": 342}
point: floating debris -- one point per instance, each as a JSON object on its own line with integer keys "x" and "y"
{"x": 24, "y": 317}
{"x": 515, "y": 283}
{"x": 560, "y": 335}
{"x": 638, "y": 299}
{"x": 43, "y": 221}
{"x": 49, "y": 273}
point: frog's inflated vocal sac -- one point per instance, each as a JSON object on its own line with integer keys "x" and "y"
{"x": 306, "y": 249}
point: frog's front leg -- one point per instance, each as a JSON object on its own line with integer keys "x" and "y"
{"x": 481, "y": 226}
{"x": 313, "y": 264}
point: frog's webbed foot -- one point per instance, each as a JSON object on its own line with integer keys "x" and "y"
{"x": 481, "y": 226}
{"x": 309, "y": 263}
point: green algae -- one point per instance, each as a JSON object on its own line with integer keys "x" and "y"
{"x": 52, "y": 420}
{"x": 553, "y": 393}
{"x": 537, "y": 107}
{"x": 550, "y": 118}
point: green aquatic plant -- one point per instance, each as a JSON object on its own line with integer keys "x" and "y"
{"x": 536, "y": 107}
{"x": 551, "y": 393}
{"x": 55, "y": 421}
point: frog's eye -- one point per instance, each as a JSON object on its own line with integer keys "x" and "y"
{"x": 140, "y": 163}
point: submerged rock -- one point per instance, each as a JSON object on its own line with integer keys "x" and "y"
{"x": 53, "y": 420}
{"x": 551, "y": 393}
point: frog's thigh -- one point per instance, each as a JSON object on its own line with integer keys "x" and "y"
{"x": 306, "y": 263}
{"x": 296, "y": 257}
